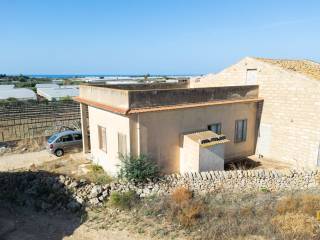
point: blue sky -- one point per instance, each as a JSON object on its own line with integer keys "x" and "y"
{"x": 152, "y": 36}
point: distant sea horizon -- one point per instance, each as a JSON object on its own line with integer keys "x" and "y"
{"x": 103, "y": 75}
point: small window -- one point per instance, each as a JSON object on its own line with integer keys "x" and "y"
{"x": 66, "y": 138}
{"x": 122, "y": 144}
{"x": 251, "y": 77}
{"x": 216, "y": 127}
{"x": 102, "y": 138}
{"x": 240, "y": 131}
{"x": 77, "y": 137}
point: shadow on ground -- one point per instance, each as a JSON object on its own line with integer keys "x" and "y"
{"x": 242, "y": 164}
{"x": 35, "y": 205}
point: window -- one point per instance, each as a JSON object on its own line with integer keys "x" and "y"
{"x": 251, "y": 77}
{"x": 102, "y": 138}
{"x": 216, "y": 127}
{"x": 240, "y": 133}
{"x": 77, "y": 137}
{"x": 122, "y": 144}
{"x": 66, "y": 138}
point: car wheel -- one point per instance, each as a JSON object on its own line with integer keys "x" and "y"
{"x": 59, "y": 152}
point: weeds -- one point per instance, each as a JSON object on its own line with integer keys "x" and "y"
{"x": 296, "y": 225}
{"x": 124, "y": 200}
{"x": 304, "y": 203}
{"x": 181, "y": 195}
{"x": 98, "y": 175}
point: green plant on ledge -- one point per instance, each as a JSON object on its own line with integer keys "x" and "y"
{"x": 138, "y": 168}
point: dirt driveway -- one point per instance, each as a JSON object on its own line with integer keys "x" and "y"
{"x": 10, "y": 162}
{"x": 24, "y": 160}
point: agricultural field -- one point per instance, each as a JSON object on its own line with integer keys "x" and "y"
{"x": 31, "y": 119}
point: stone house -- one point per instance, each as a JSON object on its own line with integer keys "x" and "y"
{"x": 290, "y": 124}
{"x": 180, "y": 128}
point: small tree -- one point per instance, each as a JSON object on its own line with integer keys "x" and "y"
{"x": 138, "y": 168}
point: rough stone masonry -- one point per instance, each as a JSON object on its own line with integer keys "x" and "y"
{"x": 46, "y": 191}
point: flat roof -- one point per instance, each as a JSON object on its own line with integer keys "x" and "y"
{"x": 135, "y": 98}
{"x": 207, "y": 138}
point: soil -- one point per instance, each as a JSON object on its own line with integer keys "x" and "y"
{"x": 19, "y": 223}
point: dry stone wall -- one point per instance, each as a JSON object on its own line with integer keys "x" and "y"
{"x": 51, "y": 192}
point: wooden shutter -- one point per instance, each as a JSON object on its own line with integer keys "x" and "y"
{"x": 122, "y": 144}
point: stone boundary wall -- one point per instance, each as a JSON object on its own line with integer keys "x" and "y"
{"x": 227, "y": 181}
{"x": 47, "y": 191}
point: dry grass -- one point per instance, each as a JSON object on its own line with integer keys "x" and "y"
{"x": 98, "y": 175}
{"x": 181, "y": 195}
{"x": 256, "y": 216}
{"x": 184, "y": 208}
{"x": 303, "y": 203}
{"x": 296, "y": 225}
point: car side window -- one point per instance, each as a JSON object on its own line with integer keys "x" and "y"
{"x": 77, "y": 137}
{"x": 67, "y": 138}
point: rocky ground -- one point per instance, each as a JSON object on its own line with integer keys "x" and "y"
{"x": 58, "y": 200}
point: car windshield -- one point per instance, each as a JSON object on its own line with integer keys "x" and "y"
{"x": 52, "y": 138}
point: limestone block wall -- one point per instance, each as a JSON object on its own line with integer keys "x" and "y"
{"x": 72, "y": 194}
{"x": 291, "y": 109}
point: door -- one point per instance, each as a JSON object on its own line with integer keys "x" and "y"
{"x": 66, "y": 142}
{"x": 77, "y": 140}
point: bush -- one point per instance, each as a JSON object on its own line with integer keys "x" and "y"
{"x": 98, "y": 175}
{"x": 190, "y": 213}
{"x": 124, "y": 200}
{"x": 137, "y": 168}
{"x": 184, "y": 208}
{"x": 181, "y": 195}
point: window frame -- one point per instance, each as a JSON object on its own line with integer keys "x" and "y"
{"x": 219, "y": 128}
{"x": 77, "y": 134}
{"x": 102, "y": 134}
{"x": 124, "y": 151}
{"x": 244, "y": 131}
{"x": 64, "y": 137}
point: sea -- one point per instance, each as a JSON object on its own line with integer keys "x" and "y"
{"x": 57, "y": 76}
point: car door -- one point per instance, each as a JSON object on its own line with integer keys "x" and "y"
{"x": 66, "y": 141}
{"x": 77, "y": 140}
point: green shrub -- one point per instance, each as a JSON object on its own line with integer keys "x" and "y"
{"x": 137, "y": 168}
{"x": 124, "y": 200}
{"x": 98, "y": 175}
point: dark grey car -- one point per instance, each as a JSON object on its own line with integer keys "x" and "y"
{"x": 64, "y": 141}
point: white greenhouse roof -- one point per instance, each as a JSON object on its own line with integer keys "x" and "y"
{"x": 6, "y": 87}
{"x": 70, "y": 86}
{"x": 57, "y": 93}
{"x": 18, "y": 93}
{"x": 47, "y": 85}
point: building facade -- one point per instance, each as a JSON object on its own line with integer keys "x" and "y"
{"x": 160, "y": 121}
{"x": 290, "y": 125}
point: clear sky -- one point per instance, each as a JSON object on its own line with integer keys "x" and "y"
{"x": 152, "y": 36}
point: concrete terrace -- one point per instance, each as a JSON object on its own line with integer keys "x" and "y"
{"x": 129, "y": 99}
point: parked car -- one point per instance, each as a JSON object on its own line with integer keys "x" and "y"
{"x": 64, "y": 141}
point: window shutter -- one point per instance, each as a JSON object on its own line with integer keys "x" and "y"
{"x": 122, "y": 144}
{"x": 244, "y": 134}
